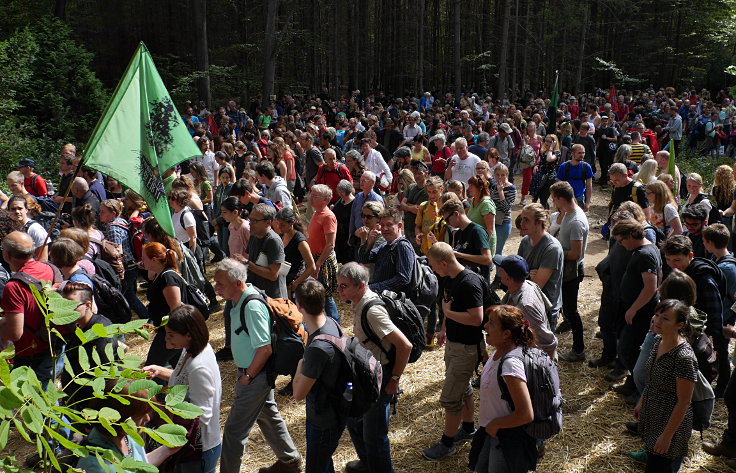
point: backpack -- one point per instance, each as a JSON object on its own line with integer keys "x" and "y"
{"x": 288, "y": 337}
{"x": 194, "y": 297}
{"x": 404, "y": 315}
{"x": 49, "y": 186}
{"x": 660, "y": 237}
{"x": 703, "y": 266}
{"x": 543, "y": 382}
{"x": 45, "y": 219}
{"x": 136, "y": 238}
{"x": 423, "y": 287}
{"x": 111, "y": 253}
{"x": 365, "y": 372}
{"x": 201, "y": 224}
{"x": 527, "y": 157}
{"x": 703, "y": 345}
{"x": 40, "y": 332}
{"x": 109, "y": 299}
{"x": 714, "y": 216}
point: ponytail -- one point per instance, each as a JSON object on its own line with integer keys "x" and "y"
{"x": 512, "y": 319}
{"x": 170, "y": 259}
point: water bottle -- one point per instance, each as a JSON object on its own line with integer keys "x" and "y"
{"x": 348, "y": 395}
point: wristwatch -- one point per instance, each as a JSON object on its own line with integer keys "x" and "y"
{"x": 248, "y": 377}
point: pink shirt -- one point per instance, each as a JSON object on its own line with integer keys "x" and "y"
{"x": 238, "y": 240}
{"x": 491, "y": 404}
{"x": 322, "y": 223}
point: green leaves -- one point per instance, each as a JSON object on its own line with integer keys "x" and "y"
{"x": 171, "y": 435}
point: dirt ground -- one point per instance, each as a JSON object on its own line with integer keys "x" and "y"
{"x": 593, "y": 437}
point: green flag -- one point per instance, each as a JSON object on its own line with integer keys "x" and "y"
{"x": 141, "y": 135}
{"x": 671, "y": 166}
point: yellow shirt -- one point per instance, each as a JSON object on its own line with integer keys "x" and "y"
{"x": 427, "y": 216}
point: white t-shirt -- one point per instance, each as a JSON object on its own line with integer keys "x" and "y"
{"x": 188, "y": 220}
{"x": 209, "y": 163}
{"x": 491, "y": 404}
{"x": 202, "y": 375}
{"x": 464, "y": 169}
{"x": 37, "y": 233}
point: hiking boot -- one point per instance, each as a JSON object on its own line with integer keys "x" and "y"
{"x": 224, "y": 354}
{"x": 563, "y": 327}
{"x": 616, "y": 374}
{"x": 438, "y": 451}
{"x": 602, "y": 363}
{"x": 720, "y": 449}
{"x": 573, "y": 356}
{"x": 294, "y": 466}
{"x": 430, "y": 341}
{"x": 632, "y": 428}
{"x": 356, "y": 466}
{"x": 463, "y": 436}
{"x": 638, "y": 456}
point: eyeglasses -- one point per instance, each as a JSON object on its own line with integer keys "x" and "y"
{"x": 364, "y": 216}
{"x": 692, "y": 224}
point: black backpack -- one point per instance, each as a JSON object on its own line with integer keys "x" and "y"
{"x": 423, "y": 288}
{"x": 109, "y": 299}
{"x": 45, "y": 219}
{"x": 714, "y": 216}
{"x": 364, "y": 372}
{"x": 201, "y": 224}
{"x": 193, "y": 296}
{"x": 405, "y": 316}
{"x": 700, "y": 266}
{"x": 568, "y": 165}
{"x": 660, "y": 237}
{"x": 543, "y": 383}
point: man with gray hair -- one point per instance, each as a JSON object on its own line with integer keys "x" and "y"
{"x": 82, "y": 195}
{"x": 461, "y": 166}
{"x": 254, "y": 398}
{"x": 21, "y": 317}
{"x": 480, "y": 148}
{"x": 266, "y": 253}
{"x": 370, "y": 432}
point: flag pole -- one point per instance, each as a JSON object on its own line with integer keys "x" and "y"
{"x": 39, "y": 252}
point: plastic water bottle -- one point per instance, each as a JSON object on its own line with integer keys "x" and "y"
{"x": 348, "y": 395}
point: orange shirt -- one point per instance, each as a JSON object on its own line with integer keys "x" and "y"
{"x": 322, "y": 223}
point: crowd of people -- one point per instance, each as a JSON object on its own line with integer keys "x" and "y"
{"x": 313, "y": 199}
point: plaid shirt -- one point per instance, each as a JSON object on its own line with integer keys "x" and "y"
{"x": 117, "y": 232}
{"x": 709, "y": 301}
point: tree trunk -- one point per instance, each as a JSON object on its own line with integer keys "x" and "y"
{"x": 201, "y": 50}
{"x": 458, "y": 53}
{"x": 525, "y": 51}
{"x": 60, "y": 9}
{"x": 581, "y": 50}
{"x": 269, "y": 52}
{"x": 420, "y": 48}
{"x": 515, "y": 53}
{"x": 504, "y": 49}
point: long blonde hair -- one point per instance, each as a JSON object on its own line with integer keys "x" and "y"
{"x": 662, "y": 195}
{"x": 725, "y": 182}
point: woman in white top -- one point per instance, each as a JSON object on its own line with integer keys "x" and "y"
{"x": 197, "y": 368}
{"x": 664, "y": 209}
{"x": 185, "y": 226}
{"x": 507, "y": 448}
{"x": 18, "y": 211}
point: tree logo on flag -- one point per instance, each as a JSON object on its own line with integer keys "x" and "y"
{"x": 162, "y": 118}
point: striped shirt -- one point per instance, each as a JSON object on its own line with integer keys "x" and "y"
{"x": 638, "y": 151}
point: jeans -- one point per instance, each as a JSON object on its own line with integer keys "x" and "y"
{"x": 223, "y": 236}
{"x": 254, "y": 403}
{"x": 659, "y": 464}
{"x": 228, "y": 321}
{"x": 640, "y": 369}
{"x": 208, "y": 464}
{"x": 570, "y": 291}
{"x": 370, "y": 436}
{"x": 581, "y": 200}
{"x": 321, "y": 444}
{"x": 331, "y": 309}
{"x": 130, "y": 286}
{"x": 503, "y": 230}
{"x": 490, "y": 459}
{"x": 632, "y": 336}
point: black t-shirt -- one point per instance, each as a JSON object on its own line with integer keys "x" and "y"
{"x": 466, "y": 292}
{"x": 645, "y": 259}
{"x": 324, "y": 362}
{"x": 293, "y": 256}
{"x": 157, "y": 305}
{"x": 471, "y": 240}
{"x": 623, "y": 194}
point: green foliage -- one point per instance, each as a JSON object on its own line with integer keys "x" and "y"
{"x": 48, "y": 94}
{"x": 38, "y": 416}
{"x": 706, "y": 166}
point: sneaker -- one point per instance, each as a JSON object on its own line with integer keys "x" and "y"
{"x": 563, "y": 327}
{"x": 224, "y": 354}
{"x": 463, "y": 436}
{"x": 430, "y": 341}
{"x": 638, "y": 456}
{"x": 602, "y": 363}
{"x": 356, "y": 466}
{"x": 294, "y": 466}
{"x": 523, "y": 202}
{"x": 438, "y": 451}
{"x": 616, "y": 374}
{"x": 720, "y": 449}
{"x": 573, "y": 356}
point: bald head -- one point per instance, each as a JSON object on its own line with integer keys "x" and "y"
{"x": 79, "y": 187}
{"x": 17, "y": 249}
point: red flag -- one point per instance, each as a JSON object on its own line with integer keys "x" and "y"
{"x": 212, "y": 125}
{"x": 612, "y": 95}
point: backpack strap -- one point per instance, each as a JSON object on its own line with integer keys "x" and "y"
{"x": 505, "y": 394}
{"x": 634, "y": 189}
{"x": 369, "y": 333}
{"x": 248, "y": 298}
{"x": 27, "y": 225}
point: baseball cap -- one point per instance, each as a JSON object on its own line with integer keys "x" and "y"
{"x": 402, "y": 152}
{"x": 26, "y": 162}
{"x": 514, "y": 265}
{"x": 505, "y": 128}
